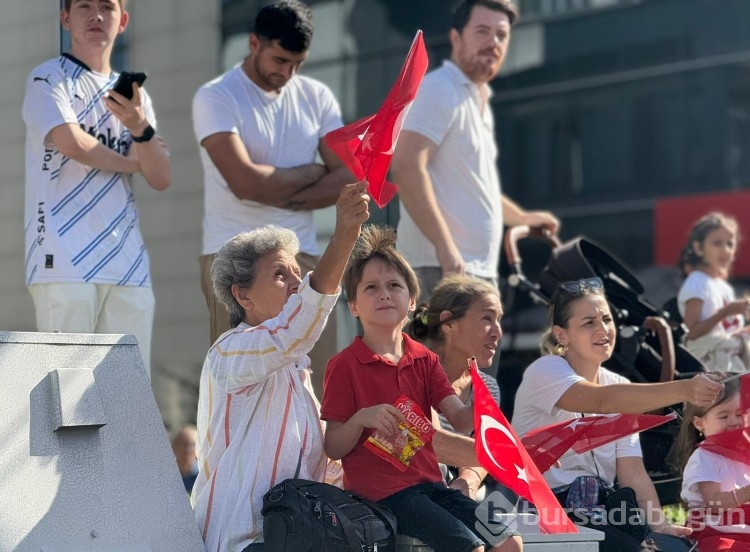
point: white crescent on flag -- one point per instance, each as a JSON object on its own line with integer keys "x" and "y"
{"x": 576, "y": 422}
{"x": 488, "y": 422}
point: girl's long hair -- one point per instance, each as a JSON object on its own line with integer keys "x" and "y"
{"x": 689, "y": 436}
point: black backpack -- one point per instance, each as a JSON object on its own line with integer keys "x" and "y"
{"x": 307, "y": 516}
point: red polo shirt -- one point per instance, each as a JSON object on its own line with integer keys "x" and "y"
{"x": 357, "y": 378}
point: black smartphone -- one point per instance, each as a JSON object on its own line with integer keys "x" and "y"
{"x": 124, "y": 83}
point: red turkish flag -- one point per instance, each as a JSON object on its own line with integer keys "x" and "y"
{"x": 547, "y": 444}
{"x": 501, "y": 453}
{"x": 734, "y": 444}
{"x": 366, "y": 146}
{"x": 745, "y": 398}
{"x": 729, "y": 533}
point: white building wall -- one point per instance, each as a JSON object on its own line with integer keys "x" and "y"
{"x": 28, "y": 35}
{"x": 177, "y": 43}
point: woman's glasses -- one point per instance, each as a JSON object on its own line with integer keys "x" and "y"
{"x": 575, "y": 287}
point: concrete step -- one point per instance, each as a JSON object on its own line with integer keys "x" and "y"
{"x": 586, "y": 540}
{"x": 538, "y": 543}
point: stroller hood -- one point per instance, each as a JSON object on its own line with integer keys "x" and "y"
{"x": 583, "y": 258}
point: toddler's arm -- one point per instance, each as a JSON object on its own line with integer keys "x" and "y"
{"x": 718, "y": 500}
{"x": 698, "y": 328}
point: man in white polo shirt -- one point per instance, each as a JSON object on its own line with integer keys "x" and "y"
{"x": 260, "y": 126}
{"x": 445, "y": 163}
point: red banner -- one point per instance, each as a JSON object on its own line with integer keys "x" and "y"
{"x": 674, "y": 216}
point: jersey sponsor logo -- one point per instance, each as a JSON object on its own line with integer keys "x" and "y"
{"x": 41, "y": 227}
{"x": 113, "y": 142}
{"x": 44, "y": 79}
{"x": 48, "y": 153}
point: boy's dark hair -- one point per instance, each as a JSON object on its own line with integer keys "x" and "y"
{"x": 68, "y": 3}
{"x": 377, "y": 243}
{"x": 462, "y": 11}
{"x": 289, "y": 22}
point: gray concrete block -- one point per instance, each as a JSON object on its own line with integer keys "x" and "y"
{"x": 86, "y": 487}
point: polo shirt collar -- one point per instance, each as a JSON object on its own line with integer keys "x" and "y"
{"x": 364, "y": 355}
{"x": 460, "y": 78}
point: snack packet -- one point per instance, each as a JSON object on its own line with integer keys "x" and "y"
{"x": 415, "y": 432}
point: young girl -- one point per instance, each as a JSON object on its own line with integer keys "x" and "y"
{"x": 713, "y": 484}
{"x": 715, "y": 318}
{"x": 363, "y": 382}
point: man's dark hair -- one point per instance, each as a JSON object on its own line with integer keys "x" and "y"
{"x": 289, "y": 22}
{"x": 462, "y": 12}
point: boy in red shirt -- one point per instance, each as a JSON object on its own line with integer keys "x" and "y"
{"x": 361, "y": 385}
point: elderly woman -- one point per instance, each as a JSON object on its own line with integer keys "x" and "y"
{"x": 569, "y": 382}
{"x": 462, "y": 320}
{"x": 258, "y": 419}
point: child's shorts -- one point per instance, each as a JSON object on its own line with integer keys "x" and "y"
{"x": 441, "y": 517}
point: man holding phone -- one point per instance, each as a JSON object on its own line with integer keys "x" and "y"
{"x": 260, "y": 126}
{"x": 86, "y": 266}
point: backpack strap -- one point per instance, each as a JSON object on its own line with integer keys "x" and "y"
{"x": 346, "y": 525}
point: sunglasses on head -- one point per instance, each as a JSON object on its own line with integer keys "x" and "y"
{"x": 584, "y": 284}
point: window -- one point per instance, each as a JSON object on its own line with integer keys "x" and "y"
{"x": 558, "y": 8}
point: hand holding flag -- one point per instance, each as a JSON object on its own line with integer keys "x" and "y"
{"x": 501, "y": 453}
{"x": 366, "y": 146}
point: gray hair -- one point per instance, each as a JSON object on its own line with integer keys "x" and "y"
{"x": 237, "y": 263}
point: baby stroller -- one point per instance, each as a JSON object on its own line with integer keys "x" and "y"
{"x": 645, "y": 351}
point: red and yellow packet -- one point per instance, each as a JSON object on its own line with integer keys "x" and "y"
{"x": 415, "y": 432}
